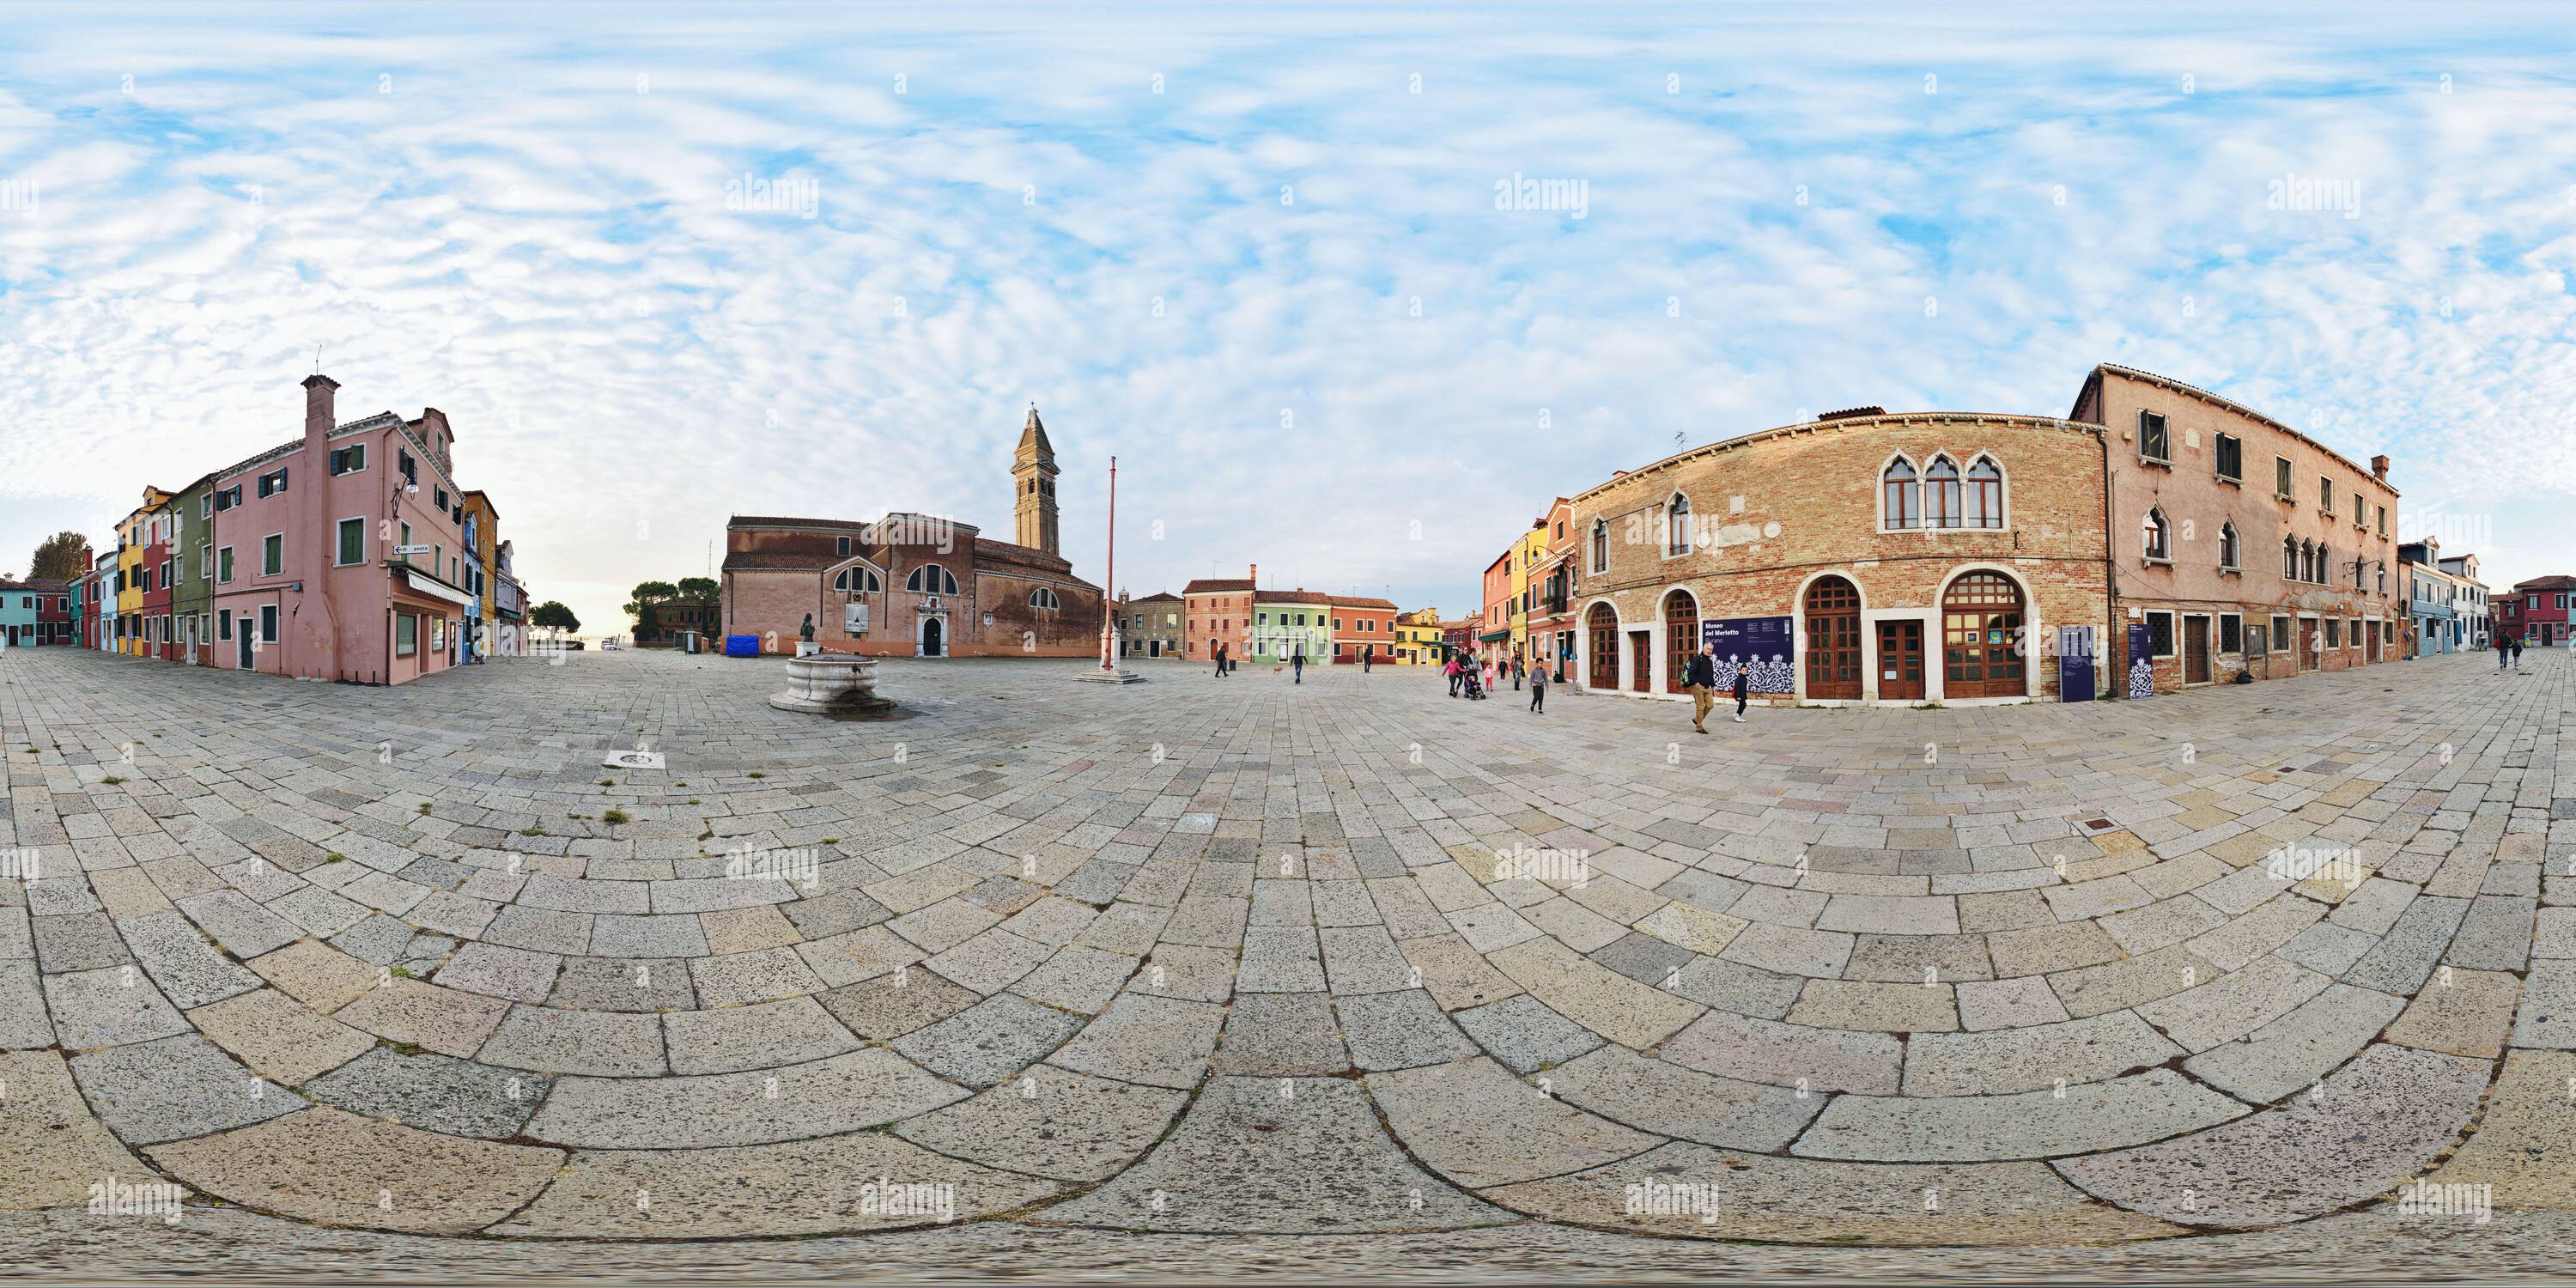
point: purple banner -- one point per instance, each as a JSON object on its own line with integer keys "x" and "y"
{"x": 1766, "y": 643}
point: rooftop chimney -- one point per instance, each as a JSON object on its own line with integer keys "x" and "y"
{"x": 318, "y": 389}
{"x": 2379, "y": 468}
{"x": 1254, "y": 576}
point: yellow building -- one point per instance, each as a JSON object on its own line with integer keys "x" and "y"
{"x": 1526, "y": 554}
{"x": 1417, "y": 638}
{"x": 134, "y": 539}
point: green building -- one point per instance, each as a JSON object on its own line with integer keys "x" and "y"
{"x": 1284, "y": 620}
{"x": 192, "y": 590}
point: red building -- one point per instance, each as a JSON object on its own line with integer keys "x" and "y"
{"x": 1460, "y": 635}
{"x": 53, "y": 609}
{"x": 1218, "y": 610}
{"x": 2536, "y": 611}
{"x": 160, "y": 573}
{"x": 1363, "y": 628}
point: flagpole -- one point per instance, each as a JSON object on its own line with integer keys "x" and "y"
{"x": 1108, "y": 631}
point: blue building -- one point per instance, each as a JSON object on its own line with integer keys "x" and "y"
{"x": 2432, "y": 599}
{"x": 476, "y": 642}
{"x": 17, "y": 614}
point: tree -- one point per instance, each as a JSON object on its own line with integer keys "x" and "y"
{"x": 63, "y": 555}
{"x": 553, "y": 616}
{"x": 647, "y": 595}
{"x": 697, "y": 588}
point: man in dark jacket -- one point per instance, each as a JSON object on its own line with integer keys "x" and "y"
{"x": 1700, "y": 677}
{"x": 1220, "y": 661}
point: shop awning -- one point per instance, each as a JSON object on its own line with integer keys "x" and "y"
{"x": 416, "y": 580}
{"x": 1503, "y": 634}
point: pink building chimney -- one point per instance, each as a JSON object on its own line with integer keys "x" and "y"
{"x": 312, "y": 556}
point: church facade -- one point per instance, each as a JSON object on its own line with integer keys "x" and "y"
{"x": 915, "y": 585}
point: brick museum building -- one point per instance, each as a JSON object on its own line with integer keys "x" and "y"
{"x": 910, "y": 585}
{"x": 2160, "y": 537}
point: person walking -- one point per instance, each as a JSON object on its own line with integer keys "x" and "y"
{"x": 1700, "y": 677}
{"x": 1299, "y": 663}
{"x": 1220, "y": 661}
{"x": 1743, "y": 689}
{"x": 1451, "y": 666}
{"x": 1538, "y": 690}
{"x": 1488, "y": 672}
{"x": 2504, "y": 653}
{"x": 1519, "y": 669}
{"x": 2517, "y": 653}
{"x": 1367, "y": 655}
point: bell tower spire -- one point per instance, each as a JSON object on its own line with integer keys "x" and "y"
{"x": 1033, "y": 480}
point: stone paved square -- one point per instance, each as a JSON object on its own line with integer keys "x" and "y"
{"x": 1145, "y": 1025}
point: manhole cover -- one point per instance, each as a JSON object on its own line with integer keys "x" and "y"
{"x": 632, "y": 760}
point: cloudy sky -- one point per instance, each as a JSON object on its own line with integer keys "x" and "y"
{"x": 658, "y": 267}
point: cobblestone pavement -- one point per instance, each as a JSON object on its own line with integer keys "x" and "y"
{"x": 1240, "y": 957}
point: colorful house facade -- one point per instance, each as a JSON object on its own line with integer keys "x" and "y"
{"x": 1363, "y": 629}
{"x": 17, "y": 614}
{"x": 2536, "y": 611}
{"x": 192, "y": 573}
{"x": 509, "y": 604}
{"x": 139, "y": 548}
{"x": 330, "y": 556}
{"x": 1152, "y": 626}
{"x": 1290, "y": 623}
{"x": 1418, "y": 639}
{"x": 1218, "y": 610}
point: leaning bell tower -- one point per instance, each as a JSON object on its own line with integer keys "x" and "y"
{"x": 1033, "y": 479}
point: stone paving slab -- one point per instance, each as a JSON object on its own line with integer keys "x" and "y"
{"x": 278, "y": 1038}
{"x": 1669, "y": 1099}
{"x": 1793, "y": 1200}
{"x": 175, "y": 1087}
{"x": 2525, "y": 1145}
{"x": 824, "y": 1098}
{"x": 1477, "y": 1125}
{"x": 2292, "y": 1053}
{"x": 434, "y": 1093}
{"x": 56, "y": 1147}
{"x": 864, "y": 1181}
{"x": 337, "y": 1168}
{"x": 2381, "y": 1119}
{"x": 2026, "y": 1125}
{"x": 1051, "y": 1122}
{"x": 1271, "y": 1154}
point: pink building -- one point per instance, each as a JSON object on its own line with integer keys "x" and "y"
{"x": 338, "y": 555}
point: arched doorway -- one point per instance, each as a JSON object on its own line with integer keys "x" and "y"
{"x": 933, "y": 643}
{"x": 1681, "y": 637}
{"x": 1833, "y": 639}
{"x": 1603, "y": 627}
{"x": 1981, "y": 638}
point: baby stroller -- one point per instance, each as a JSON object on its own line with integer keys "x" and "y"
{"x": 1474, "y": 687}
